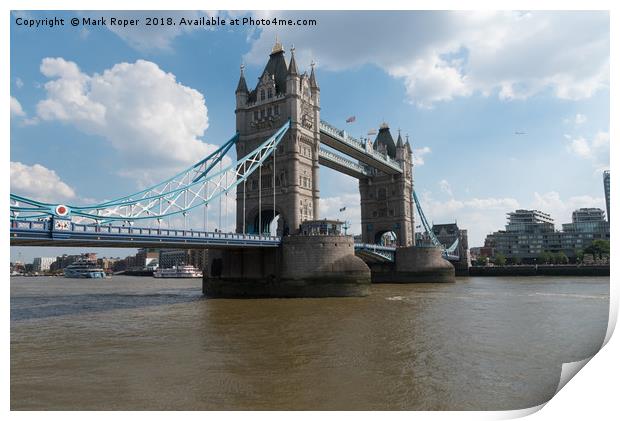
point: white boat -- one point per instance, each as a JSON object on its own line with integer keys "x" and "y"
{"x": 84, "y": 269}
{"x": 184, "y": 271}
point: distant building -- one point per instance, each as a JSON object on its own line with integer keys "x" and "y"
{"x": 173, "y": 257}
{"x": 107, "y": 263}
{"x": 532, "y": 232}
{"x": 607, "y": 192}
{"x": 64, "y": 261}
{"x": 527, "y": 234}
{"x": 447, "y": 234}
{"x": 199, "y": 258}
{"x": 144, "y": 257}
{"x": 588, "y": 224}
{"x": 42, "y": 264}
{"x": 177, "y": 257}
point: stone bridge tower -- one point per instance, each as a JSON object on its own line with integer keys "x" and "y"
{"x": 281, "y": 93}
{"x": 386, "y": 200}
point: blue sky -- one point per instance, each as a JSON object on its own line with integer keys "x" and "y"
{"x": 460, "y": 84}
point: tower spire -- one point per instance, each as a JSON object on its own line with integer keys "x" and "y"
{"x": 242, "y": 86}
{"x": 292, "y": 67}
{"x": 277, "y": 47}
{"x": 399, "y": 142}
{"x": 313, "y": 83}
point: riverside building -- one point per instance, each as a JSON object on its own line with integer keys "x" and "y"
{"x": 532, "y": 232}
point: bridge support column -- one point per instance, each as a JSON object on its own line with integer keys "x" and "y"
{"x": 414, "y": 265}
{"x": 304, "y": 266}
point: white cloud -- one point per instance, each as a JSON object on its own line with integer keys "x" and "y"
{"x": 482, "y": 216}
{"x": 418, "y": 155}
{"x": 479, "y": 216}
{"x": 151, "y": 119}
{"x": 595, "y": 149}
{"x": 16, "y": 108}
{"x": 444, "y": 55}
{"x": 580, "y": 118}
{"x": 330, "y": 208}
{"x": 561, "y": 209}
{"x": 39, "y": 183}
{"x": 19, "y": 83}
{"x": 445, "y": 187}
{"x": 154, "y": 37}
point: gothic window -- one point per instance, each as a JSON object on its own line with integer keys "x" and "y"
{"x": 391, "y": 212}
{"x": 255, "y": 115}
{"x": 269, "y": 93}
{"x": 382, "y": 194}
{"x": 269, "y": 111}
{"x": 277, "y": 109}
{"x": 262, "y": 94}
{"x": 262, "y": 113}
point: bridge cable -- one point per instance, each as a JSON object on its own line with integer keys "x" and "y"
{"x": 274, "y": 189}
{"x": 219, "y": 222}
{"x": 226, "y": 202}
{"x": 260, "y": 190}
{"x": 244, "y": 195}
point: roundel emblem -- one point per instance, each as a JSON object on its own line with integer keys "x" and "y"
{"x": 62, "y": 210}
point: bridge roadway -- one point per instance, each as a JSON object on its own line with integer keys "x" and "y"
{"x": 44, "y": 233}
{"x": 355, "y": 148}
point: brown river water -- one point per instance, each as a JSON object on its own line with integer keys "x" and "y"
{"x": 143, "y": 343}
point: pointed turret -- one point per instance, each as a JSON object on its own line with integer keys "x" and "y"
{"x": 313, "y": 84}
{"x": 292, "y": 67}
{"x": 292, "y": 76}
{"x": 384, "y": 141}
{"x": 407, "y": 145}
{"x": 399, "y": 141}
{"x": 242, "y": 86}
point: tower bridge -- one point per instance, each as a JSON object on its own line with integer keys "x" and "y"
{"x": 280, "y": 143}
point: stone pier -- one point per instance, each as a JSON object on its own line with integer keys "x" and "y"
{"x": 414, "y": 265}
{"x": 304, "y": 266}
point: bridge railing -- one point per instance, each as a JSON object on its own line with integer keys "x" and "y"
{"x": 358, "y": 144}
{"x": 344, "y": 161}
{"x": 74, "y": 227}
{"x": 374, "y": 247}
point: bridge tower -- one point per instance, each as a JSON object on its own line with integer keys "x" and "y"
{"x": 386, "y": 200}
{"x": 280, "y": 93}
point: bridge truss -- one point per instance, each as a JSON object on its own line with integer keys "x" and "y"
{"x": 113, "y": 223}
{"x": 196, "y": 186}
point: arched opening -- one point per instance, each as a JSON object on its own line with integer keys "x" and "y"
{"x": 386, "y": 238}
{"x": 271, "y": 224}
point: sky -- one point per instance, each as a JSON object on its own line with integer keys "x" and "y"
{"x": 505, "y": 110}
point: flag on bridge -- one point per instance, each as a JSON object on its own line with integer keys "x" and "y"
{"x": 343, "y": 209}
{"x": 351, "y": 119}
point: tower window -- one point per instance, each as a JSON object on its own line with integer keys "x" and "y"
{"x": 269, "y": 111}
{"x": 269, "y": 93}
{"x": 262, "y": 94}
{"x": 255, "y": 115}
{"x": 276, "y": 109}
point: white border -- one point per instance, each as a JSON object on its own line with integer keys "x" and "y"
{"x": 592, "y": 394}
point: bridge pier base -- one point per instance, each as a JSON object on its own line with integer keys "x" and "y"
{"x": 414, "y": 265}
{"x": 304, "y": 266}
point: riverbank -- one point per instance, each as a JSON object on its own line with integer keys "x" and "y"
{"x": 540, "y": 270}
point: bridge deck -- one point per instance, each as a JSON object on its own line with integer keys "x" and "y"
{"x": 343, "y": 165}
{"x": 342, "y": 142}
{"x": 40, "y": 233}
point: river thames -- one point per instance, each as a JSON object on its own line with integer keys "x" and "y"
{"x": 141, "y": 343}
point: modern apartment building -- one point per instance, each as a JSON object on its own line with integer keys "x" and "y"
{"x": 532, "y": 232}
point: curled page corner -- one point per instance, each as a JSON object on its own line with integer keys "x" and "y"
{"x": 568, "y": 372}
